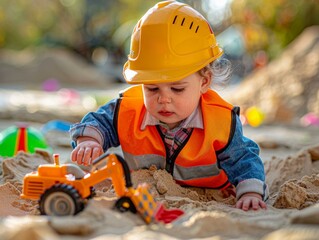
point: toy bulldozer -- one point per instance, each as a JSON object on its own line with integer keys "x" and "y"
{"x": 64, "y": 190}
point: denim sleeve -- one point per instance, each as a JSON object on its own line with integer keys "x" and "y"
{"x": 98, "y": 125}
{"x": 242, "y": 164}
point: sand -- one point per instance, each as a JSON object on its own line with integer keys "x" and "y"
{"x": 293, "y": 207}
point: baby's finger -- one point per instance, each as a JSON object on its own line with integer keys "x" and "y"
{"x": 239, "y": 204}
{"x": 87, "y": 156}
{"x": 255, "y": 203}
{"x": 263, "y": 205}
{"x": 74, "y": 155}
{"x": 246, "y": 204}
{"x": 96, "y": 152}
{"x": 79, "y": 156}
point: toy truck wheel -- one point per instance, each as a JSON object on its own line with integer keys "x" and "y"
{"x": 60, "y": 200}
{"x": 125, "y": 204}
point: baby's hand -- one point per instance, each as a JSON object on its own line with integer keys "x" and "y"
{"x": 251, "y": 200}
{"x": 86, "y": 151}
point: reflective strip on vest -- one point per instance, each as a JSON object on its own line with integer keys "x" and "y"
{"x": 180, "y": 173}
{"x": 144, "y": 161}
{"x": 195, "y": 172}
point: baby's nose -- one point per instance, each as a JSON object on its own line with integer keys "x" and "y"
{"x": 164, "y": 98}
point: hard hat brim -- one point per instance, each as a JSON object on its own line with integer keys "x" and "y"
{"x": 163, "y": 75}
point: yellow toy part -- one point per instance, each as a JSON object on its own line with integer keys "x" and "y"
{"x": 170, "y": 42}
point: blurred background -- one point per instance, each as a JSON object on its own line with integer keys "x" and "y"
{"x": 60, "y": 59}
{"x": 69, "y": 47}
{"x": 252, "y": 32}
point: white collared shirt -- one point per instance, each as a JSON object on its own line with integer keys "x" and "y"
{"x": 195, "y": 120}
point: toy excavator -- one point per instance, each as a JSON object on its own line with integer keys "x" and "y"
{"x": 64, "y": 190}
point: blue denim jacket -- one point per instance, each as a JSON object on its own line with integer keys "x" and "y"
{"x": 240, "y": 160}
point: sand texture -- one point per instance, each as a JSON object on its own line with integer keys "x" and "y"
{"x": 293, "y": 207}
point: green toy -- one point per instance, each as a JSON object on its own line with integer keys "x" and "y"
{"x": 21, "y": 138}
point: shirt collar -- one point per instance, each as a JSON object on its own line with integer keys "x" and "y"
{"x": 195, "y": 120}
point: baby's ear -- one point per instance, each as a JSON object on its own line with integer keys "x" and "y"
{"x": 206, "y": 82}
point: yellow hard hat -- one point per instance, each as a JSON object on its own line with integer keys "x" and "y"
{"x": 170, "y": 42}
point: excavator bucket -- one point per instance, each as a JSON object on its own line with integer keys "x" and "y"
{"x": 144, "y": 202}
{"x": 150, "y": 210}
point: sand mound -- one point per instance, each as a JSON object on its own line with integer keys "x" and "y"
{"x": 288, "y": 87}
{"x": 30, "y": 68}
{"x": 14, "y": 169}
{"x": 298, "y": 193}
{"x": 291, "y": 167}
{"x": 207, "y": 212}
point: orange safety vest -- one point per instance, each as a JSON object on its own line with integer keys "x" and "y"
{"x": 195, "y": 163}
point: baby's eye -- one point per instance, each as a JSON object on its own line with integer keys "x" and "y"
{"x": 152, "y": 89}
{"x": 178, "y": 89}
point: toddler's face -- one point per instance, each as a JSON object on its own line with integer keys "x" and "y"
{"x": 173, "y": 102}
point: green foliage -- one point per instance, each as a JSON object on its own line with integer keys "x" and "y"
{"x": 271, "y": 25}
{"x": 25, "y": 23}
{"x": 80, "y": 25}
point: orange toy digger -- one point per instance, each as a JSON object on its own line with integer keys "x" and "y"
{"x": 63, "y": 190}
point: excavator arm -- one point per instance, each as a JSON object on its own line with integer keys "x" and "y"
{"x": 110, "y": 166}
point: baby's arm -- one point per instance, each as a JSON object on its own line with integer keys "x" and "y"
{"x": 95, "y": 134}
{"x": 245, "y": 170}
{"x": 86, "y": 151}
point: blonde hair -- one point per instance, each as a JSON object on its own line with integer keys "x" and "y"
{"x": 221, "y": 70}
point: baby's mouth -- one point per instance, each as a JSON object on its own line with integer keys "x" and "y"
{"x": 165, "y": 113}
